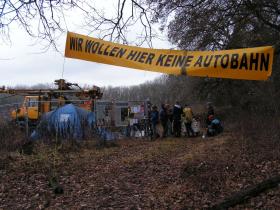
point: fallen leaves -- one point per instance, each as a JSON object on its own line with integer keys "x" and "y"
{"x": 168, "y": 174}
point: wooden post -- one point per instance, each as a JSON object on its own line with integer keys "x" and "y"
{"x": 26, "y": 122}
{"x": 39, "y": 104}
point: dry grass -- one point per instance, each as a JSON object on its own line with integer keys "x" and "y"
{"x": 11, "y": 136}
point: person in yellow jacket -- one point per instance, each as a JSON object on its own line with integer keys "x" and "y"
{"x": 188, "y": 117}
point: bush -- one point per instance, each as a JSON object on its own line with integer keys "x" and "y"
{"x": 11, "y": 136}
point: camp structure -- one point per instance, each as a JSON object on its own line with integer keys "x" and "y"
{"x": 67, "y": 122}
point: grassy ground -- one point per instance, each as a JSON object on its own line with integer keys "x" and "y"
{"x": 140, "y": 174}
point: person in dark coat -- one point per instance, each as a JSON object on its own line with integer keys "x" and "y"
{"x": 154, "y": 120}
{"x": 163, "y": 119}
{"x": 210, "y": 108}
{"x": 169, "y": 111}
{"x": 177, "y": 112}
{"x": 210, "y": 112}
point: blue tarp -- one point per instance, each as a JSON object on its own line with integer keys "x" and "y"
{"x": 68, "y": 121}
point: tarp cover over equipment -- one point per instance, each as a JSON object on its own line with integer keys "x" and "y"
{"x": 68, "y": 121}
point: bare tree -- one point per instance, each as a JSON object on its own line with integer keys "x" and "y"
{"x": 192, "y": 24}
{"x": 39, "y": 18}
{"x": 132, "y": 16}
{"x": 45, "y": 18}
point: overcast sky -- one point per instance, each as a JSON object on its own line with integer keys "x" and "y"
{"x": 24, "y": 63}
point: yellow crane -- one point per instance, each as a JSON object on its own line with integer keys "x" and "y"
{"x": 39, "y": 101}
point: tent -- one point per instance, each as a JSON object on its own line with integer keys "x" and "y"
{"x": 68, "y": 122}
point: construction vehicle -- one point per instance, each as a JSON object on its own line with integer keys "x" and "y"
{"x": 39, "y": 101}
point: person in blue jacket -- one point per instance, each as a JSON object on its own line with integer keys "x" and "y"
{"x": 214, "y": 127}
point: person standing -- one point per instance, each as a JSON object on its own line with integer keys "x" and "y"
{"x": 188, "y": 117}
{"x": 169, "y": 112}
{"x": 210, "y": 112}
{"x": 163, "y": 119}
{"x": 177, "y": 112}
{"x": 155, "y": 121}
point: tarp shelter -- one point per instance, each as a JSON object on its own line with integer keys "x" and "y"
{"x": 68, "y": 121}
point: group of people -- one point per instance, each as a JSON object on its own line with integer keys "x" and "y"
{"x": 168, "y": 121}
